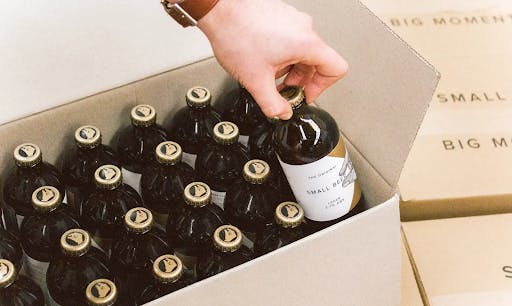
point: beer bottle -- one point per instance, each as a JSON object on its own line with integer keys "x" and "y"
{"x": 192, "y": 125}
{"x": 18, "y": 290}
{"x": 227, "y": 252}
{"x": 220, "y": 165}
{"x": 250, "y": 203}
{"x": 191, "y": 230}
{"x": 8, "y": 221}
{"x": 315, "y": 161}
{"x": 169, "y": 275}
{"x": 104, "y": 292}
{"x": 136, "y": 143}
{"x": 135, "y": 251}
{"x": 240, "y": 108}
{"x": 162, "y": 183}
{"x": 104, "y": 209}
{"x": 40, "y": 232}
{"x": 30, "y": 173}
{"x": 79, "y": 264}
{"x": 10, "y": 248}
{"x": 80, "y": 163}
{"x": 288, "y": 227}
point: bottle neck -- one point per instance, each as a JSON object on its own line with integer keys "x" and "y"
{"x": 298, "y": 106}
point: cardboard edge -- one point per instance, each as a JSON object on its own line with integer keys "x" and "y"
{"x": 417, "y": 276}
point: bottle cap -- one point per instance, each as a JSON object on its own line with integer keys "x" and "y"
{"x": 167, "y": 268}
{"x": 101, "y": 292}
{"x": 198, "y": 97}
{"x": 75, "y": 242}
{"x": 87, "y": 136}
{"x": 46, "y": 198}
{"x": 293, "y": 94}
{"x": 108, "y": 177}
{"x": 7, "y": 273}
{"x": 227, "y": 238}
{"x": 197, "y": 194}
{"x": 27, "y": 155}
{"x": 138, "y": 220}
{"x": 168, "y": 153}
{"x": 143, "y": 115}
{"x": 256, "y": 171}
{"x": 289, "y": 214}
{"x": 225, "y": 132}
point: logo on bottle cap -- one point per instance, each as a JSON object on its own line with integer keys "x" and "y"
{"x": 7, "y": 273}
{"x": 167, "y": 268}
{"x": 75, "y": 242}
{"x": 289, "y": 214}
{"x": 108, "y": 177}
{"x": 293, "y": 94}
{"x": 27, "y": 155}
{"x": 197, "y": 194}
{"x": 168, "y": 152}
{"x": 101, "y": 292}
{"x": 139, "y": 219}
{"x": 256, "y": 171}
{"x": 225, "y": 132}
{"x": 198, "y": 96}
{"x": 143, "y": 115}
{"x": 227, "y": 238}
{"x": 87, "y": 136}
{"x": 46, "y": 198}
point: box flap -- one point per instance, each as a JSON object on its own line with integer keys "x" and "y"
{"x": 380, "y": 104}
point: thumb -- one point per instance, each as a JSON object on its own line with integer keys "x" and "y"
{"x": 264, "y": 91}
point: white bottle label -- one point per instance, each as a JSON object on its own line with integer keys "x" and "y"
{"x": 244, "y": 139}
{"x": 218, "y": 198}
{"x": 36, "y": 270}
{"x": 325, "y": 188}
{"x": 189, "y": 159}
{"x": 132, "y": 179}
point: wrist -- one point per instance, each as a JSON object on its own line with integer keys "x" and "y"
{"x": 188, "y": 12}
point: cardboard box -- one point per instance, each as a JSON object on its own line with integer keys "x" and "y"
{"x": 379, "y": 107}
{"x": 463, "y": 261}
{"x": 410, "y": 293}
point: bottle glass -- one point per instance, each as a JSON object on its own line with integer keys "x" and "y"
{"x": 18, "y": 290}
{"x": 10, "y": 248}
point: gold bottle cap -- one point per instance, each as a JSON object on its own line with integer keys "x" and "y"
{"x": 75, "y": 242}
{"x": 7, "y": 273}
{"x": 46, "y": 198}
{"x": 168, "y": 153}
{"x": 108, "y": 177}
{"x": 293, "y": 94}
{"x": 227, "y": 238}
{"x": 27, "y": 155}
{"x": 143, "y": 115}
{"x": 225, "y": 132}
{"x": 139, "y": 220}
{"x": 289, "y": 214}
{"x": 256, "y": 171}
{"x": 101, "y": 292}
{"x": 167, "y": 268}
{"x": 197, "y": 194}
{"x": 198, "y": 97}
{"x": 87, "y": 136}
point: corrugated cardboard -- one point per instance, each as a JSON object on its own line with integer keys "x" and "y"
{"x": 463, "y": 261}
{"x": 410, "y": 293}
{"x": 379, "y": 107}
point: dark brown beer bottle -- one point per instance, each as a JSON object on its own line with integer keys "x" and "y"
{"x": 169, "y": 275}
{"x": 288, "y": 227}
{"x": 240, "y": 108}
{"x": 220, "y": 164}
{"x": 10, "y": 248}
{"x": 136, "y": 143}
{"x": 135, "y": 251}
{"x": 18, "y": 290}
{"x": 192, "y": 125}
{"x": 104, "y": 209}
{"x": 315, "y": 161}
{"x": 191, "y": 230}
{"x": 40, "y": 232}
{"x": 227, "y": 252}
{"x": 250, "y": 203}
{"x": 80, "y": 163}
{"x": 8, "y": 221}
{"x": 162, "y": 182}
{"x": 30, "y": 173}
{"x": 79, "y": 264}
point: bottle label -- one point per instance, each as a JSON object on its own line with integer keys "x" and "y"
{"x": 327, "y": 188}
{"x": 189, "y": 159}
{"x": 218, "y": 198}
{"x": 132, "y": 179}
{"x": 244, "y": 139}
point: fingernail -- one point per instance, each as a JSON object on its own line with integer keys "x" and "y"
{"x": 286, "y": 116}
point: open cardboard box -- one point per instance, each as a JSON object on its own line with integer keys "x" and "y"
{"x": 378, "y": 106}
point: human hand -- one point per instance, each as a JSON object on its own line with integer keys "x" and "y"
{"x": 259, "y": 41}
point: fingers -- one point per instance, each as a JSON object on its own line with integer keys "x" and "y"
{"x": 299, "y": 75}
